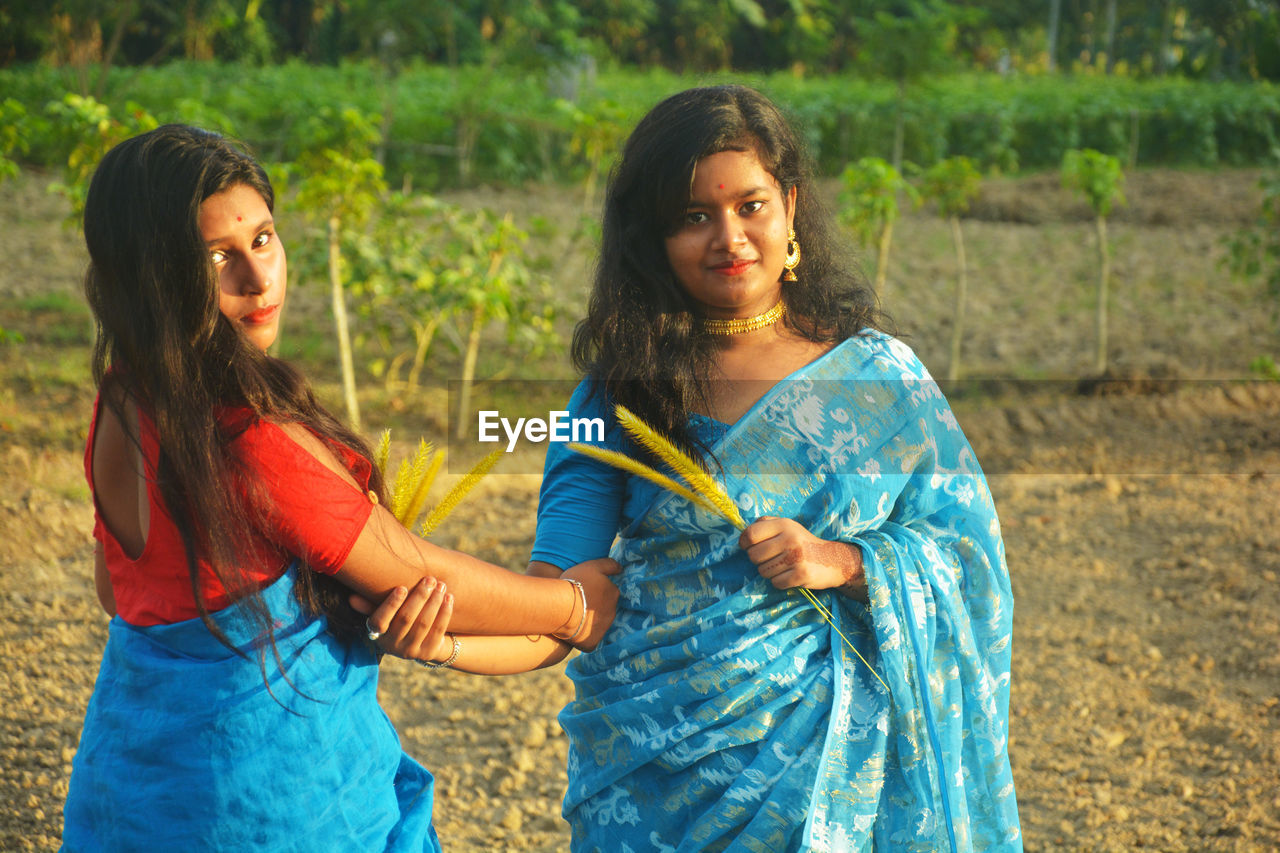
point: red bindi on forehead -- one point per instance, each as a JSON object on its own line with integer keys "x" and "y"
{"x": 239, "y": 218}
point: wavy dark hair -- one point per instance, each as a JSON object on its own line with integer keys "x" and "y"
{"x": 640, "y": 340}
{"x": 153, "y": 290}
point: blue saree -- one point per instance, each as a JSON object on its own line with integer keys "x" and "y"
{"x": 186, "y": 747}
{"x": 722, "y": 714}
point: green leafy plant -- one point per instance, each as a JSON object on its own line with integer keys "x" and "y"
{"x": 1255, "y": 251}
{"x": 597, "y": 136}
{"x": 87, "y": 129}
{"x": 12, "y": 136}
{"x": 399, "y": 289}
{"x": 340, "y": 184}
{"x": 1100, "y": 179}
{"x": 485, "y": 271}
{"x": 952, "y": 184}
{"x": 869, "y": 203}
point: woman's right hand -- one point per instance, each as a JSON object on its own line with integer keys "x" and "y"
{"x": 602, "y": 601}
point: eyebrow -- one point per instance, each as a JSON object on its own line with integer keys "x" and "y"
{"x": 693, "y": 202}
{"x": 270, "y": 220}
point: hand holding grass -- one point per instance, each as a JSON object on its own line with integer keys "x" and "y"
{"x": 791, "y": 553}
{"x": 788, "y": 555}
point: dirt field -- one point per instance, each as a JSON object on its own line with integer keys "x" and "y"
{"x": 1140, "y": 522}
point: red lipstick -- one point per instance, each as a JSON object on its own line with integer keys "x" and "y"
{"x": 262, "y": 315}
{"x": 733, "y": 267}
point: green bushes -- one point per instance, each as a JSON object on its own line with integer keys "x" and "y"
{"x": 467, "y": 126}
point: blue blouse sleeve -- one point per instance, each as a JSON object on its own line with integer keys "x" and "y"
{"x": 581, "y": 500}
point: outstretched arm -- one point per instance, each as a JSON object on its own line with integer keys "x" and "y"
{"x": 488, "y": 599}
{"x": 413, "y": 624}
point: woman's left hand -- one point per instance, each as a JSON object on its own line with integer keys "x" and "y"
{"x": 411, "y": 623}
{"x": 790, "y": 556}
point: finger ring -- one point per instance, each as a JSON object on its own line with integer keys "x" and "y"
{"x": 373, "y": 634}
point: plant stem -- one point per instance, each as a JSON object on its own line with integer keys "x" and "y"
{"x": 424, "y": 334}
{"x": 962, "y": 285}
{"x": 469, "y": 369}
{"x": 340, "y": 323}
{"x": 1104, "y": 280}
{"x": 882, "y": 258}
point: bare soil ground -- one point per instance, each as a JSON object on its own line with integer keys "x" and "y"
{"x": 1141, "y": 528}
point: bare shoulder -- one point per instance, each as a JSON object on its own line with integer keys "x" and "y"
{"x": 118, "y": 470}
{"x": 115, "y": 438}
{"x": 309, "y": 442}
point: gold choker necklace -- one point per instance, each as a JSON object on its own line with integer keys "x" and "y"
{"x": 745, "y": 324}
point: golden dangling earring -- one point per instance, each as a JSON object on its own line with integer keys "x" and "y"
{"x": 793, "y": 257}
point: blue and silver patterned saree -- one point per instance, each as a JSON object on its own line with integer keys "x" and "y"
{"x": 722, "y": 714}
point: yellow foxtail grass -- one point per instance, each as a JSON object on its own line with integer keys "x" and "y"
{"x": 419, "y": 499}
{"x": 414, "y": 478}
{"x": 631, "y": 466}
{"x": 702, "y": 489}
{"x": 409, "y": 487}
{"x": 459, "y": 491}
{"x": 699, "y": 480}
{"x": 382, "y": 454}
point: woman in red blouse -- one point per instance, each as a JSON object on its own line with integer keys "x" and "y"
{"x": 236, "y": 705}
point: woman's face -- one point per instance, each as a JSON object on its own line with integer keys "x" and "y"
{"x": 249, "y": 257}
{"x": 729, "y": 247}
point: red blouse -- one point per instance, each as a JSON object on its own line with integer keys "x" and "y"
{"x": 316, "y": 515}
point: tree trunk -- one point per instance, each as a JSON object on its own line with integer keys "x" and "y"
{"x": 900, "y": 126}
{"x": 1055, "y": 15}
{"x": 1104, "y": 280}
{"x": 424, "y": 334}
{"x": 882, "y": 259}
{"x": 1166, "y": 36}
{"x": 469, "y": 369}
{"x": 124, "y": 16}
{"x": 340, "y": 324}
{"x": 962, "y": 286}
{"x": 478, "y": 317}
{"x": 1109, "y": 43}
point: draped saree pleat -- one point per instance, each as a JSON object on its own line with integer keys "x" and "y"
{"x": 722, "y": 714}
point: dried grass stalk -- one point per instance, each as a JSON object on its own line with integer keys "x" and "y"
{"x": 459, "y": 491}
{"x": 382, "y": 454}
{"x": 699, "y": 480}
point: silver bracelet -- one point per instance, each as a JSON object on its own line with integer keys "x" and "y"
{"x": 457, "y": 648}
{"x": 582, "y": 594}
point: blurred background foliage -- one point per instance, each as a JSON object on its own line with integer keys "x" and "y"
{"x": 363, "y": 109}
{"x": 1234, "y": 39}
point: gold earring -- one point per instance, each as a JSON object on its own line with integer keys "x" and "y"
{"x": 793, "y": 257}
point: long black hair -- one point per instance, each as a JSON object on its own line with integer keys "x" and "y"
{"x": 640, "y": 340}
{"x": 153, "y": 290}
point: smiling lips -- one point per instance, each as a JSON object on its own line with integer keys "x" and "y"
{"x": 737, "y": 267}
{"x": 262, "y": 315}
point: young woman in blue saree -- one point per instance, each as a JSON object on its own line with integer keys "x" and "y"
{"x": 722, "y": 711}
{"x": 236, "y": 706}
